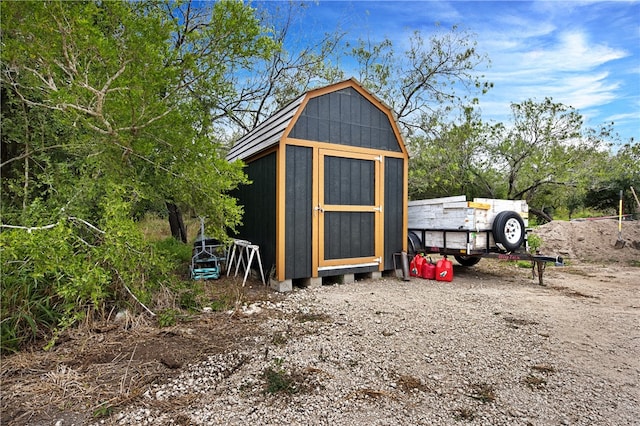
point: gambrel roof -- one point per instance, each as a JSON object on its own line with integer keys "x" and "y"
{"x": 266, "y": 134}
{"x": 270, "y": 132}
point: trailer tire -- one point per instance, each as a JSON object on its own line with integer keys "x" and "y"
{"x": 414, "y": 245}
{"x": 467, "y": 260}
{"x": 508, "y": 230}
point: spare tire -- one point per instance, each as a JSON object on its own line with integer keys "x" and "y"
{"x": 508, "y": 230}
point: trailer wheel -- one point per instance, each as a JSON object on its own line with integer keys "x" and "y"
{"x": 415, "y": 245}
{"x": 508, "y": 230}
{"x": 467, "y": 260}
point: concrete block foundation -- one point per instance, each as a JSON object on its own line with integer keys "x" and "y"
{"x": 315, "y": 282}
{"x": 281, "y": 286}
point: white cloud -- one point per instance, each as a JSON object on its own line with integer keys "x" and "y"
{"x": 565, "y": 66}
{"x": 625, "y": 117}
{"x": 572, "y": 52}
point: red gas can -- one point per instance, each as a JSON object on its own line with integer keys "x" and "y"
{"x": 415, "y": 267}
{"x": 444, "y": 270}
{"x": 429, "y": 270}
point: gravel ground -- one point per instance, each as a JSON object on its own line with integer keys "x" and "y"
{"x": 491, "y": 347}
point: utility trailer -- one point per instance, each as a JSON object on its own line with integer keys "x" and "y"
{"x": 471, "y": 230}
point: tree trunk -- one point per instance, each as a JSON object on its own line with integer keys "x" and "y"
{"x": 542, "y": 215}
{"x": 178, "y": 230}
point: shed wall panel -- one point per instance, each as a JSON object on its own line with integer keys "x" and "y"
{"x": 349, "y": 235}
{"x": 349, "y": 181}
{"x": 259, "y": 201}
{"x": 394, "y": 209}
{"x": 298, "y": 212}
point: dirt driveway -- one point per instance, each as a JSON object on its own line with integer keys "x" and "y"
{"x": 492, "y": 347}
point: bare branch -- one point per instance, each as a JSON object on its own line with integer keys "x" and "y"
{"x": 28, "y": 154}
{"x": 86, "y": 223}
{"x": 29, "y": 229}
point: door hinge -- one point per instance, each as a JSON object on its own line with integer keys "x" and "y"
{"x": 319, "y": 208}
{"x": 378, "y": 209}
{"x": 378, "y": 158}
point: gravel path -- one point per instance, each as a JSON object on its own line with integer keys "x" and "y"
{"x": 492, "y": 347}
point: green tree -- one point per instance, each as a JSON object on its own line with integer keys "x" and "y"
{"x": 130, "y": 79}
{"x": 616, "y": 172}
{"x": 426, "y": 85}
{"x": 453, "y": 162}
{"x": 422, "y": 84}
{"x": 544, "y": 155}
{"x": 104, "y": 110}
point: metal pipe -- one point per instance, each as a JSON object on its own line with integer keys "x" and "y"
{"x": 405, "y": 266}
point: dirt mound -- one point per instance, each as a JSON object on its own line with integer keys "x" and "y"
{"x": 591, "y": 240}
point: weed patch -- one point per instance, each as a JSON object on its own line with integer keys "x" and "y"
{"x": 483, "y": 392}
{"x": 534, "y": 382}
{"x": 464, "y": 414}
{"x": 518, "y": 322}
{"x": 168, "y": 317}
{"x": 408, "y": 383}
{"x": 277, "y": 380}
{"x": 279, "y": 339}
{"x": 573, "y": 293}
{"x": 544, "y": 368}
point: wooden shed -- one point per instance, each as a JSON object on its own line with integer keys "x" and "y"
{"x": 329, "y": 186}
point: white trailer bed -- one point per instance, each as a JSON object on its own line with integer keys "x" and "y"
{"x": 471, "y": 230}
{"x": 457, "y": 224}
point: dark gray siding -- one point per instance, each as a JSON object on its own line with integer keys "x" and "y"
{"x": 349, "y": 234}
{"x": 348, "y": 118}
{"x": 259, "y": 201}
{"x": 349, "y": 181}
{"x": 394, "y": 208}
{"x": 298, "y": 212}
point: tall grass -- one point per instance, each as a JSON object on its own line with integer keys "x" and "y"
{"x": 53, "y": 278}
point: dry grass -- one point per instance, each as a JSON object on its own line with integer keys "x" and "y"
{"x": 66, "y": 388}
{"x": 483, "y": 392}
{"x": 409, "y": 383}
{"x": 544, "y": 368}
{"x": 156, "y": 228}
{"x": 572, "y": 293}
{"x": 467, "y": 414}
{"x": 100, "y": 366}
{"x": 534, "y": 382}
{"x": 368, "y": 393}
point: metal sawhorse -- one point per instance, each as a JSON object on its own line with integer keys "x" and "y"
{"x": 242, "y": 253}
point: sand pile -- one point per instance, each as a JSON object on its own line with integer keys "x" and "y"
{"x": 591, "y": 240}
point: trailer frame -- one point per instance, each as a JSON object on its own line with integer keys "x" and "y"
{"x": 538, "y": 261}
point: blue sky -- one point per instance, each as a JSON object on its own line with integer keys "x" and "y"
{"x": 584, "y": 54}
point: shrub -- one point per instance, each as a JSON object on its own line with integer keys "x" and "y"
{"x": 52, "y": 276}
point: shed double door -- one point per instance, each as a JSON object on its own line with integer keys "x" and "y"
{"x": 349, "y": 210}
